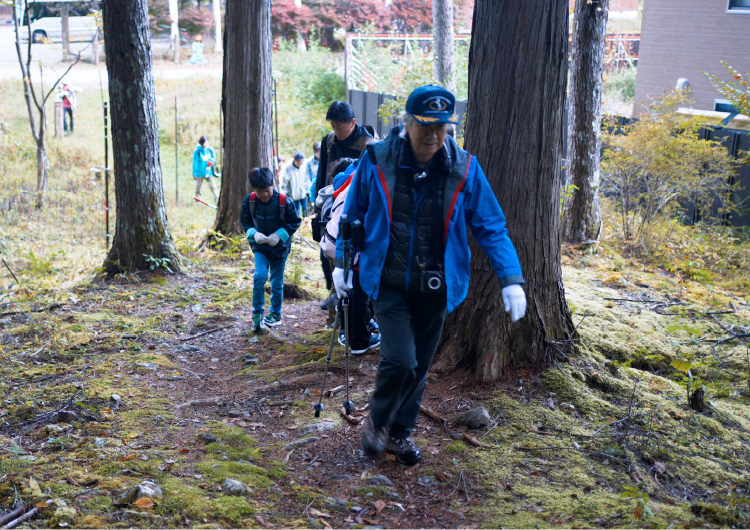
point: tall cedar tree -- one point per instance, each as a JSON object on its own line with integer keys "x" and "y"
{"x": 246, "y": 102}
{"x": 514, "y": 128}
{"x": 442, "y": 17}
{"x": 581, "y": 215}
{"x": 141, "y": 229}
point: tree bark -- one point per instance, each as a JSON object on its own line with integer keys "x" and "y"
{"x": 442, "y": 28}
{"x": 517, "y": 75}
{"x": 581, "y": 215}
{"x": 246, "y": 100}
{"x": 141, "y": 229}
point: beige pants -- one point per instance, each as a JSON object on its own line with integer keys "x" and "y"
{"x": 211, "y": 182}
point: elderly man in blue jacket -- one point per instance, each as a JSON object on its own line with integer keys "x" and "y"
{"x": 415, "y": 192}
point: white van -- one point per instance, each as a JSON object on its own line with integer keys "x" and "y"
{"x": 49, "y": 29}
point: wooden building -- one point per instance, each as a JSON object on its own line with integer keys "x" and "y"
{"x": 682, "y": 39}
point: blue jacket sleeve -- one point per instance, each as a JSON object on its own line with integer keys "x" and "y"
{"x": 487, "y": 222}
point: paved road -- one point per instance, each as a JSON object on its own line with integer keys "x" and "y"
{"x": 84, "y": 74}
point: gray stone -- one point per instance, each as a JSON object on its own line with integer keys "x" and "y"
{"x": 208, "y": 437}
{"x": 67, "y": 416}
{"x": 338, "y": 478}
{"x": 147, "y": 488}
{"x": 117, "y": 400}
{"x": 54, "y": 429}
{"x": 233, "y": 487}
{"x": 301, "y": 443}
{"x": 457, "y": 435}
{"x": 318, "y": 426}
{"x": 355, "y": 509}
{"x": 189, "y": 348}
{"x": 379, "y": 480}
{"x": 100, "y": 442}
{"x": 251, "y": 361}
{"x": 475, "y": 418}
{"x": 427, "y": 481}
{"x": 148, "y": 366}
{"x": 336, "y": 504}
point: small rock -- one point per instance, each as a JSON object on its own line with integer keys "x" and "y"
{"x": 301, "y": 442}
{"x": 208, "y": 437}
{"x": 236, "y": 413}
{"x": 100, "y": 442}
{"x": 318, "y": 426}
{"x": 54, "y": 429}
{"x": 338, "y": 478}
{"x": 253, "y": 340}
{"x": 475, "y": 418}
{"x": 457, "y": 435}
{"x": 147, "y": 488}
{"x": 67, "y": 416}
{"x": 196, "y": 308}
{"x": 233, "y": 487}
{"x": 379, "y": 480}
{"x": 427, "y": 481}
{"x": 188, "y": 348}
{"x": 148, "y": 366}
{"x": 336, "y": 504}
{"x": 116, "y": 399}
{"x": 251, "y": 361}
{"x": 355, "y": 509}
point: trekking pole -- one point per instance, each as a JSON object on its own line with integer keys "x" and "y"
{"x": 319, "y": 405}
{"x": 346, "y": 236}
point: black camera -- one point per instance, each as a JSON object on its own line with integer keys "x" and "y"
{"x": 432, "y": 282}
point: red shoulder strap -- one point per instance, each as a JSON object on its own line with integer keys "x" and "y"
{"x": 252, "y": 196}
{"x": 282, "y": 199}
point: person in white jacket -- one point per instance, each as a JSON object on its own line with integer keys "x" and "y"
{"x": 293, "y": 183}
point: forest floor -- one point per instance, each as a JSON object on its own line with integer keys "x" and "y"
{"x": 109, "y": 383}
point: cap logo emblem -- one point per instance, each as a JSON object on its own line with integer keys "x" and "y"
{"x": 437, "y": 104}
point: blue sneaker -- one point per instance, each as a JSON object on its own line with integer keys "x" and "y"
{"x": 374, "y": 343}
{"x": 372, "y": 326}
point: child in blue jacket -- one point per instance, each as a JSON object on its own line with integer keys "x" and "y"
{"x": 269, "y": 219}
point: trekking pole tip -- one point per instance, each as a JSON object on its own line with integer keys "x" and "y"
{"x": 318, "y": 409}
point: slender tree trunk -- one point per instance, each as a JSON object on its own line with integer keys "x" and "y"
{"x": 174, "y": 30}
{"x": 246, "y": 99}
{"x": 141, "y": 229}
{"x": 216, "y": 4}
{"x": 517, "y": 71}
{"x": 442, "y": 24}
{"x": 581, "y": 215}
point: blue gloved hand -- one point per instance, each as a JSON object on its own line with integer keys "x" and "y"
{"x": 514, "y": 300}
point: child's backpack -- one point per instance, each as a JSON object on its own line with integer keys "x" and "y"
{"x": 282, "y": 208}
{"x": 323, "y": 204}
{"x": 331, "y": 231}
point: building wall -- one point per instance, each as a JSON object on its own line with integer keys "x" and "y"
{"x": 682, "y": 39}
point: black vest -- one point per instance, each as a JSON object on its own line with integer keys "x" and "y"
{"x": 419, "y": 210}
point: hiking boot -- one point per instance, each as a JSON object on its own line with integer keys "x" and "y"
{"x": 374, "y": 343}
{"x": 256, "y": 322}
{"x": 372, "y": 326}
{"x": 324, "y": 304}
{"x": 405, "y": 450}
{"x": 272, "y": 319}
{"x": 373, "y": 438}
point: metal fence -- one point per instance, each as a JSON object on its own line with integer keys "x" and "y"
{"x": 366, "y": 105}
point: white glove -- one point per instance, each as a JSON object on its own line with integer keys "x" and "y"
{"x": 514, "y": 300}
{"x": 340, "y": 285}
{"x": 273, "y": 239}
{"x": 260, "y": 238}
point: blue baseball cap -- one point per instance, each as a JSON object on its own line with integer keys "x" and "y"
{"x": 432, "y": 104}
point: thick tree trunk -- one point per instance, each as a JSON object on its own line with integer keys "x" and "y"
{"x": 517, "y": 70}
{"x": 442, "y": 31}
{"x": 581, "y": 215}
{"x": 141, "y": 229}
{"x": 246, "y": 100}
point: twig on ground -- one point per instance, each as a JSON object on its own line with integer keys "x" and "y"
{"x": 25, "y": 517}
{"x": 434, "y": 415}
{"x": 213, "y": 330}
{"x": 13, "y": 515}
{"x": 9, "y": 270}
{"x": 473, "y": 441}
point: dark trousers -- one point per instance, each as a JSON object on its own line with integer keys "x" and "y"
{"x": 359, "y": 315}
{"x": 67, "y": 112}
{"x": 410, "y": 328}
{"x": 327, "y": 271}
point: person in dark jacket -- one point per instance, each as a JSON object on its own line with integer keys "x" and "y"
{"x": 415, "y": 193}
{"x": 269, "y": 219}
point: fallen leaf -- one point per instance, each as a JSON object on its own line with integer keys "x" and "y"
{"x": 325, "y": 523}
{"x": 379, "y": 505}
{"x": 127, "y": 457}
{"x": 183, "y": 451}
{"x": 144, "y": 503}
{"x": 317, "y": 513}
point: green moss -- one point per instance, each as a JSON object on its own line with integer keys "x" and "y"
{"x": 250, "y": 474}
{"x": 181, "y": 498}
{"x": 158, "y": 280}
{"x": 456, "y": 446}
{"x": 723, "y": 517}
{"x": 232, "y": 509}
{"x": 100, "y": 504}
